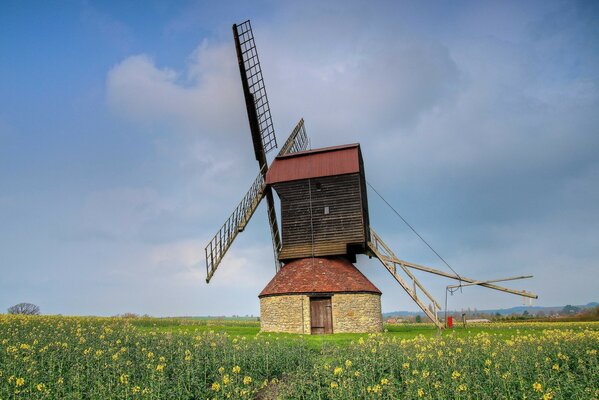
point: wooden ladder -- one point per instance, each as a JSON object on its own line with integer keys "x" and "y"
{"x": 380, "y": 250}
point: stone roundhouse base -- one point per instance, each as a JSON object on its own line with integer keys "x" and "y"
{"x": 352, "y": 313}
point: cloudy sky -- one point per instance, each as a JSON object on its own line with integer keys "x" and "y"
{"x": 124, "y": 144}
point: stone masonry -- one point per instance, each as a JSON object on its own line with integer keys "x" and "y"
{"x": 357, "y": 312}
{"x": 352, "y": 312}
{"x": 284, "y": 314}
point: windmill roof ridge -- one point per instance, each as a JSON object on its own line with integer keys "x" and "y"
{"x": 319, "y": 150}
{"x": 323, "y": 275}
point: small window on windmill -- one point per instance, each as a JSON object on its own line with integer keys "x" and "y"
{"x": 326, "y": 210}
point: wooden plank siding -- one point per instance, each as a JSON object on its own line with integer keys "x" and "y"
{"x": 306, "y": 234}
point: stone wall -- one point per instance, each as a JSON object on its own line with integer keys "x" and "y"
{"x": 284, "y": 314}
{"x": 357, "y": 312}
{"x": 352, "y": 312}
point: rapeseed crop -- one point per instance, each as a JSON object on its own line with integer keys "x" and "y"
{"x": 112, "y": 358}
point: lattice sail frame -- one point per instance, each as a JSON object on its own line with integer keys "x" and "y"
{"x": 251, "y": 64}
{"x": 220, "y": 243}
{"x": 297, "y": 141}
{"x": 239, "y": 218}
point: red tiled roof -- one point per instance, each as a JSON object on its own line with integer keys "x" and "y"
{"x": 327, "y": 275}
{"x": 328, "y": 161}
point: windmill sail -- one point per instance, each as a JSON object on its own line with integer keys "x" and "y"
{"x": 297, "y": 141}
{"x": 220, "y": 243}
{"x": 256, "y": 100}
{"x": 258, "y": 110}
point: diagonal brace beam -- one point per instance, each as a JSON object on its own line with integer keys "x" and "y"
{"x": 453, "y": 276}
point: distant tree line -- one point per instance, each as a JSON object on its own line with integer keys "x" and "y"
{"x": 567, "y": 313}
{"x": 24, "y": 308}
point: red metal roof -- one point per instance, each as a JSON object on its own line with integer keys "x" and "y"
{"x": 315, "y": 163}
{"x": 323, "y": 275}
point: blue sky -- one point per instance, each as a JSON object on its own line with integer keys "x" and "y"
{"x": 124, "y": 144}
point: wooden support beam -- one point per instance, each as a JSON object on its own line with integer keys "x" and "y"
{"x": 469, "y": 280}
{"x": 513, "y": 278}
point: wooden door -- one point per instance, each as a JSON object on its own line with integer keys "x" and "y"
{"x": 321, "y": 315}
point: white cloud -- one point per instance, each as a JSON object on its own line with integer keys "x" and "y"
{"x": 197, "y": 101}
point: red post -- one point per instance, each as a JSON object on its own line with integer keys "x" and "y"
{"x": 450, "y": 322}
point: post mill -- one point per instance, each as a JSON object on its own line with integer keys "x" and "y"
{"x": 325, "y": 224}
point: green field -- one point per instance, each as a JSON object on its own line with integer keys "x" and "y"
{"x": 112, "y": 358}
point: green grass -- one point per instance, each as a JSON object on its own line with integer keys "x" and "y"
{"x": 250, "y": 328}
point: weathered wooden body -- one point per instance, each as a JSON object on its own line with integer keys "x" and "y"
{"x": 324, "y": 208}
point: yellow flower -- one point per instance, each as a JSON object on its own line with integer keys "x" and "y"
{"x": 462, "y": 387}
{"x": 60, "y": 381}
{"x": 334, "y": 385}
{"x": 338, "y": 371}
{"x": 160, "y": 367}
{"x": 226, "y": 380}
{"x": 20, "y": 382}
{"x": 357, "y": 374}
{"x": 135, "y": 389}
{"x": 376, "y": 388}
{"x": 425, "y": 374}
{"x": 221, "y": 370}
{"x": 150, "y": 355}
{"x": 548, "y": 395}
{"x": 216, "y": 386}
{"x": 124, "y": 379}
{"x": 420, "y": 392}
{"x": 247, "y": 380}
{"x": 488, "y": 362}
{"x": 348, "y": 363}
{"x": 406, "y": 365}
{"x": 455, "y": 375}
{"x": 384, "y": 381}
{"x": 555, "y": 367}
{"x": 537, "y": 387}
{"x": 236, "y": 369}
{"x": 41, "y": 387}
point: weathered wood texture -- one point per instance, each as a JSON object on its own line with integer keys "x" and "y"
{"x": 321, "y": 315}
{"x": 336, "y": 219}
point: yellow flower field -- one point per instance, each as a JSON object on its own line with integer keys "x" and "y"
{"x": 111, "y": 358}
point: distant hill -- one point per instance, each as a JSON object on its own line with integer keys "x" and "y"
{"x": 502, "y": 311}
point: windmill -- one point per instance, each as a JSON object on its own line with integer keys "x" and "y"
{"x": 325, "y": 224}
